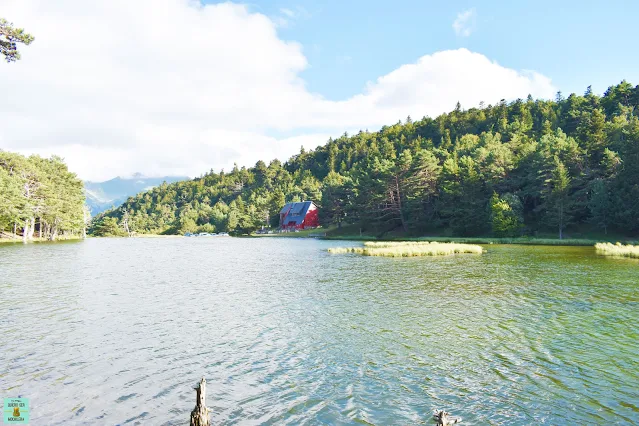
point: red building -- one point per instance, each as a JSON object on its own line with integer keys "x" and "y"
{"x": 302, "y": 215}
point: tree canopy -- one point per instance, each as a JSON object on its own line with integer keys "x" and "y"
{"x": 39, "y": 194}
{"x": 9, "y": 39}
{"x": 518, "y": 168}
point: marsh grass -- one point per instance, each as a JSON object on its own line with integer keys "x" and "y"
{"x": 476, "y": 240}
{"x": 618, "y": 249}
{"x": 408, "y": 249}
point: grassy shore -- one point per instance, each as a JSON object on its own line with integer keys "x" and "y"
{"x": 139, "y": 236}
{"x": 38, "y": 240}
{"x": 618, "y": 250}
{"x": 408, "y": 249}
{"x": 154, "y": 236}
{"x": 333, "y": 233}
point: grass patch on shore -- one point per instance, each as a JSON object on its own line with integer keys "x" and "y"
{"x": 19, "y": 240}
{"x": 620, "y": 250}
{"x": 409, "y": 249}
{"x": 531, "y": 241}
{"x": 475, "y": 240}
{"x": 154, "y": 236}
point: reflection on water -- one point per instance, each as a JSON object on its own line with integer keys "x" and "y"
{"x": 120, "y": 330}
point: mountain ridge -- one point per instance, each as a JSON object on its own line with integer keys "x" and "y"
{"x": 101, "y": 196}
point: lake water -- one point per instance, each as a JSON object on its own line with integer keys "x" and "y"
{"x": 115, "y": 331}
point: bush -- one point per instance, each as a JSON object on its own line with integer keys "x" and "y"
{"x": 207, "y": 227}
{"x": 506, "y": 215}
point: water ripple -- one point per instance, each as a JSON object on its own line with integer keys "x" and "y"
{"x": 118, "y": 331}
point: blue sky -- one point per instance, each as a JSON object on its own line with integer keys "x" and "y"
{"x": 575, "y": 43}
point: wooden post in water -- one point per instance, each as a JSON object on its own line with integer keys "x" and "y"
{"x": 443, "y": 418}
{"x": 200, "y": 414}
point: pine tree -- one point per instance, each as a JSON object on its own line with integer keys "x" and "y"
{"x": 600, "y": 205}
{"x": 557, "y": 196}
{"x": 9, "y": 39}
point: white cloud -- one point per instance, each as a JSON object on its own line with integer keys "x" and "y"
{"x": 157, "y": 153}
{"x": 465, "y": 23}
{"x": 117, "y": 87}
{"x": 287, "y": 17}
{"x": 280, "y": 21}
{"x": 287, "y": 12}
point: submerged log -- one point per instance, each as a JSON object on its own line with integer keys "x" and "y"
{"x": 200, "y": 414}
{"x": 443, "y": 418}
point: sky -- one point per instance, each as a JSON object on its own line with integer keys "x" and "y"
{"x": 180, "y": 87}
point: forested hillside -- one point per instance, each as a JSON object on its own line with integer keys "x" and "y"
{"x": 39, "y": 196}
{"x": 509, "y": 169}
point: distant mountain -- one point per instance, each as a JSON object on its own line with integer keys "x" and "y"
{"x": 102, "y": 196}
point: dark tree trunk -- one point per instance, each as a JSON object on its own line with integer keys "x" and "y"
{"x": 399, "y": 205}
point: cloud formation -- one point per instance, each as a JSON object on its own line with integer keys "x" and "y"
{"x": 118, "y": 87}
{"x": 464, "y": 24}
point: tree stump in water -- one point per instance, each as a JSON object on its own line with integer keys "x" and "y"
{"x": 443, "y": 418}
{"x": 200, "y": 414}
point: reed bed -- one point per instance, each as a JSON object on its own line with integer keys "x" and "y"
{"x": 618, "y": 249}
{"x": 387, "y": 244}
{"x": 408, "y": 249}
{"x": 533, "y": 241}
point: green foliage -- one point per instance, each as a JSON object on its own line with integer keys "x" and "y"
{"x": 463, "y": 201}
{"x": 40, "y": 193}
{"x": 207, "y": 227}
{"x": 507, "y": 215}
{"x": 187, "y": 225}
{"x": 436, "y": 175}
{"x": 600, "y": 204}
{"x": 558, "y": 203}
{"x": 336, "y": 197}
{"x": 11, "y": 200}
{"x": 9, "y": 39}
{"x": 108, "y": 227}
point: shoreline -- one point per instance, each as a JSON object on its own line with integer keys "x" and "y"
{"x": 583, "y": 242}
{"x": 37, "y": 240}
{"x": 315, "y": 234}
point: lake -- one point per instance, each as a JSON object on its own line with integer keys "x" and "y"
{"x": 115, "y": 331}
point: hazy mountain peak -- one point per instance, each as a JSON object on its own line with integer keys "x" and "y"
{"x": 102, "y": 196}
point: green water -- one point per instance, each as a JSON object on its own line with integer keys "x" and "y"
{"x": 110, "y": 331}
